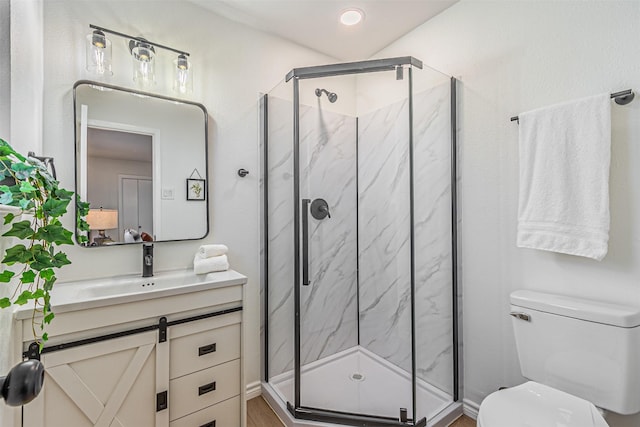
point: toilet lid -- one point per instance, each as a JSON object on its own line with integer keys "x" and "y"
{"x": 536, "y": 405}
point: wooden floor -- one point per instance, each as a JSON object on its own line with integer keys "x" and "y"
{"x": 259, "y": 414}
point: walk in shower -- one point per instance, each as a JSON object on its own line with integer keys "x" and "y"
{"x": 359, "y": 269}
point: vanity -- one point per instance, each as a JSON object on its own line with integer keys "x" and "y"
{"x": 128, "y": 351}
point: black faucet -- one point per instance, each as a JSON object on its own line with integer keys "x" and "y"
{"x": 147, "y": 259}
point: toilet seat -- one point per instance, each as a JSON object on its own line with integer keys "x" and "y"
{"x": 536, "y": 405}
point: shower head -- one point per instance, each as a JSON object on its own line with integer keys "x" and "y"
{"x": 331, "y": 95}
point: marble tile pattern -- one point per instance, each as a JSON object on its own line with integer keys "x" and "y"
{"x": 327, "y": 170}
{"x": 434, "y": 307}
{"x": 281, "y": 235}
{"x": 384, "y": 233}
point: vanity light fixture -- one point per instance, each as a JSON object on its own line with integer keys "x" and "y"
{"x": 98, "y": 53}
{"x": 351, "y": 16}
{"x": 143, "y": 54}
{"x": 182, "y": 75}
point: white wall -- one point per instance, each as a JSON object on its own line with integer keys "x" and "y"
{"x": 233, "y": 64}
{"x": 513, "y": 57}
{"x": 5, "y": 70}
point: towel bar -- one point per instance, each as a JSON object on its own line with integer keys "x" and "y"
{"x": 622, "y": 98}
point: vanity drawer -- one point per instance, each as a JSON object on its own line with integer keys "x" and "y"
{"x": 201, "y": 350}
{"x": 223, "y": 414}
{"x": 201, "y": 389}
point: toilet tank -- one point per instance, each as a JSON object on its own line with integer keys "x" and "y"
{"x": 587, "y": 348}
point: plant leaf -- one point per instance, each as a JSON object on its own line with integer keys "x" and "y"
{"x": 17, "y": 253}
{"x": 6, "y": 198}
{"x": 39, "y": 293}
{"x": 54, "y": 208}
{"x": 54, "y": 233}
{"x": 8, "y": 218}
{"x": 42, "y": 260}
{"x": 47, "y": 274}
{"x": 21, "y": 230}
{"x": 5, "y": 302}
{"x": 24, "y": 298}
{"x": 26, "y": 204}
{"x": 61, "y": 259}
{"x": 28, "y": 276}
{"x": 5, "y": 276}
{"x": 63, "y": 194}
{"x": 48, "y": 284}
{"x": 48, "y": 318}
{"x": 26, "y": 187}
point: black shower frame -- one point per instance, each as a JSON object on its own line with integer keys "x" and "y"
{"x": 389, "y": 64}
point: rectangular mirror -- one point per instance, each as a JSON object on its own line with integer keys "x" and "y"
{"x": 141, "y": 163}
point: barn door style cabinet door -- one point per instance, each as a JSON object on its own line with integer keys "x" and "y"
{"x": 110, "y": 383}
{"x": 165, "y": 362}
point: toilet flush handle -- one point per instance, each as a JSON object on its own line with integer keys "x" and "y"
{"x": 521, "y": 316}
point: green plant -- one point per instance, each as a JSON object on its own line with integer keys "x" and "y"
{"x": 37, "y": 194}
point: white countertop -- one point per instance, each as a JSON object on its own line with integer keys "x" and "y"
{"x": 85, "y": 294}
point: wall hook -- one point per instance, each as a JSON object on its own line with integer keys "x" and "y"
{"x": 242, "y": 173}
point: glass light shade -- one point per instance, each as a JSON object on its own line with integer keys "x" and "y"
{"x": 182, "y": 75}
{"x": 102, "y": 219}
{"x": 98, "y": 53}
{"x": 143, "y": 65}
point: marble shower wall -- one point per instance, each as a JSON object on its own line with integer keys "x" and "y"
{"x": 327, "y": 170}
{"x": 385, "y": 311}
{"x": 280, "y": 233}
{"x": 384, "y": 233}
{"x": 328, "y": 305}
{"x": 433, "y": 250}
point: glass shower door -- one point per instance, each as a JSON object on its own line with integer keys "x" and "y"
{"x": 355, "y": 348}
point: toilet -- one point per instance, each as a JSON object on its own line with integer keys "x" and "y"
{"x": 581, "y": 357}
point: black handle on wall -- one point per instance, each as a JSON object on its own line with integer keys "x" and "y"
{"x": 209, "y": 424}
{"x": 305, "y": 241}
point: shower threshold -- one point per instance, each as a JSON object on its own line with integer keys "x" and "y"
{"x": 357, "y": 381}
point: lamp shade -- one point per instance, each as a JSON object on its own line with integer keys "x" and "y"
{"x": 98, "y": 53}
{"x": 102, "y": 219}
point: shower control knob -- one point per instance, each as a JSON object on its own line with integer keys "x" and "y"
{"x": 320, "y": 209}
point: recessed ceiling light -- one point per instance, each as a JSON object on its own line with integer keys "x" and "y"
{"x": 351, "y": 16}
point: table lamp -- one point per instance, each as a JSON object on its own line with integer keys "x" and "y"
{"x": 101, "y": 220}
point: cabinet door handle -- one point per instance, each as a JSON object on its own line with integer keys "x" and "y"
{"x": 206, "y": 349}
{"x": 209, "y": 424}
{"x": 203, "y": 389}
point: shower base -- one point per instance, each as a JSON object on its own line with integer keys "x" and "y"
{"x": 360, "y": 382}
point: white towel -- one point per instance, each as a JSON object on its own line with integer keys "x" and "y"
{"x": 208, "y": 251}
{"x": 565, "y": 155}
{"x": 211, "y": 264}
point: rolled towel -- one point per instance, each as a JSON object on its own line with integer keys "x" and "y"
{"x": 209, "y": 265}
{"x": 208, "y": 251}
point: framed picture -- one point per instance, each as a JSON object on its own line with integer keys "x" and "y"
{"x": 196, "y": 189}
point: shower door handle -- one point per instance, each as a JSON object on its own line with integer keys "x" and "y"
{"x": 305, "y": 241}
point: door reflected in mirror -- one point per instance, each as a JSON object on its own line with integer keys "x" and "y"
{"x": 135, "y": 154}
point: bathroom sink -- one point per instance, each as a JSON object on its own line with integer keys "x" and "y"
{"x": 93, "y": 293}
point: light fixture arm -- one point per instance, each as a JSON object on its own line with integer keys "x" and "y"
{"x": 139, "y": 39}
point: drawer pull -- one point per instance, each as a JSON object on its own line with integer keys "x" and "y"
{"x": 203, "y": 389}
{"x": 209, "y": 424}
{"x": 206, "y": 349}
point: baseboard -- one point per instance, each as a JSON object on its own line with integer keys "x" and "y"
{"x": 470, "y": 409}
{"x": 254, "y": 389}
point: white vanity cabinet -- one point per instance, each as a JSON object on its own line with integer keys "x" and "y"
{"x": 162, "y": 361}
